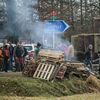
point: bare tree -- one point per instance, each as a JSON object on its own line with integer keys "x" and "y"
{"x": 77, "y": 13}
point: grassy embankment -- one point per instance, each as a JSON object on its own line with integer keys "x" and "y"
{"x": 29, "y": 87}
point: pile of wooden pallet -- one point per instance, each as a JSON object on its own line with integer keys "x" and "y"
{"x": 60, "y": 70}
{"x": 53, "y": 67}
{"x": 51, "y": 55}
{"x": 55, "y": 70}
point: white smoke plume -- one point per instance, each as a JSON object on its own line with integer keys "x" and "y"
{"x": 24, "y": 21}
{"x": 19, "y": 16}
{"x": 24, "y": 15}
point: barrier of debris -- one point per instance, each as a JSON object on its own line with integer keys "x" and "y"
{"x": 51, "y": 66}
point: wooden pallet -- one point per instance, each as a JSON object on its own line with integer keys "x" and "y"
{"x": 51, "y": 54}
{"x": 61, "y": 71}
{"x": 44, "y": 71}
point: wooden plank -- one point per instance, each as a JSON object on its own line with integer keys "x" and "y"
{"x": 51, "y": 53}
{"x": 37, "y": 70}
{"x": 57, "y": 70}
{"x": 43, "y": 54}
{"x": 61, "y": 71}
{"x": 45, "y": 50}
{"x": 77, "y": 63}
{"x": 40, "y": 70}
{"x": 54, "y": 72}
{"x": 52, "y": 56}
{"x": 47, "y": 71}
{"x": 61, "y": 65}
{"x": 44, "y": 71}
{"x": 50, "y": 72}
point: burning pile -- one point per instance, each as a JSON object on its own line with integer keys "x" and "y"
{"x": 51, "y": 65}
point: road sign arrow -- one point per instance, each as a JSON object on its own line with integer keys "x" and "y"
{"x": 55, "y": 26}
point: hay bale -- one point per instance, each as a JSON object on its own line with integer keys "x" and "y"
{"x": 93, "y": 81}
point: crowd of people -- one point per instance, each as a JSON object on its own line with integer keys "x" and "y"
{"x": 17, "y": 54}
{"x": 10, "y": 54}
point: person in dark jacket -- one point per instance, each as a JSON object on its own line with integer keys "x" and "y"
{"x": 98, "y": 60}
{"x": 11, "y": 51}
{"x": 25, "y": 53}
{"x": 1, "y": 59}
{"x": 88, "y": 57}
{"x": 18, "y": 55}
{"x": 5, "y": 54}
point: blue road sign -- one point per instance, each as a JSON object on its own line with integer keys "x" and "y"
{"x": 55, "y": 26}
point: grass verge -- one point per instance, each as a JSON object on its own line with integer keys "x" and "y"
{"x": 28, "y": 87}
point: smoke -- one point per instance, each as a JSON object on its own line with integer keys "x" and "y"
{"x": 23, "y": 15}
{"x": 20, "y": 15}
{"x": 52, "y": 39}
{"x": 23, "y": 20}
{"x": 48, "y": 34}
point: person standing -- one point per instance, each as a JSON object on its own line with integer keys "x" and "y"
{"x": 18, "y": 55}
{"x": 11, "y": 50}
{"x": 98, "y": 59}
{"x": 1, "y": 58}
{"x": 36, "y": 51}
{"x": 5, "y": 54}
{"x": 25, "y": 53}
{"x": 88, "y": 57}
